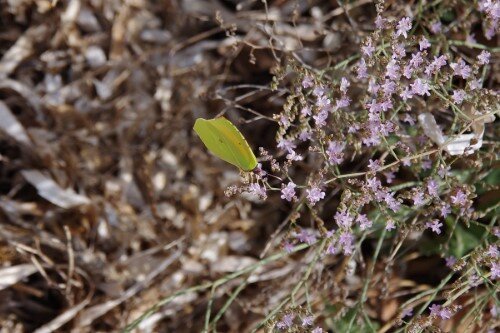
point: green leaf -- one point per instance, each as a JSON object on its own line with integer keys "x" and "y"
{"x": 350, "y": 322}
{"x": 464, "y": 240}
{"x": 224, "y": 140}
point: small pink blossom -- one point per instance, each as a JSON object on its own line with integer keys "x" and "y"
{"x": 435, "y": 309}
{"x": 379, "y": 22}
{"x": 459, "y": 199}
{"x": 306, "y": 111}
{"x": 288, "y": 192}
{"x": 460, "y": 68}
{"x": 305, "y": 236}
{"x": 314, "y": 195}
{"x": 435, "y": 226}
{"x": 307, "y": 82}
{"x": 389, "y": 177}
{"x": 368, "y": 49}
{"x": 344, "y": 84}
{"x": 418, "y": 198}
{"x": 286, "y": 144}
{"x": 403, "y": 26}
{"x": 493, "y": 251}
{"x": 450, "y": 261}
{"x": 307, "y": 321}
{"x": 424, "y": 44}
{"x": 433, "y": 188}
{"x": 343, "y": 219}
{"x": 257, "y": 190}
{"x": 407, "y": 312}
{"x": 320, "y": 118}
{"x": 390, "y": 225}
{"x": 362, "y": 69}
{"x": 420, "y": 87}
{"x": 398, "y": 50}
{"x": 458, "y": 96}
{"x": 392, "y": 70}
{"x": 374, "y": 165}
{"x": 436, "y": 27}
{"x": 405, "y": 95}
{"x": 364, "y": 222}
{"x": 475, "y": 84}
{"x": 495, "y": 270}
{"x": 346, "y": 240}
{"x": 288, "y": 247}
{"x": 286, "y": 321}
{"x": 484, "y": 57}
{"x": 445, "y": 210}
{"x": 335, "y": 152}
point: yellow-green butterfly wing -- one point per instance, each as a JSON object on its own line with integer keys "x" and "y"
{"x": 224, "y": 140}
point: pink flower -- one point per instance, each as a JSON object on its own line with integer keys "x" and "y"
{"x": 286, "y": 321}
{"x": 320, "y": 118}
{"x": 458, "y": 96}
{"x": 460, "y": 68}
{"x": 409, "y": 119}
{"x": 398, "y": 50}
{"x": 335, "y": 152}
{"x": 307, "y": 82}
{"x": 286, "y": 144}
{"x": 403, "y": 26}
{"x": 379, "y": 22}
{"x": 405, "y": 95}
{"x": 495, "y": 270}
{"x": 418, "y": 198}
{"x": 305, "y": 135}
{"x": 362, "y": 69}
{"x": 436, "y": 27}
{"x": 475, "y": 84}
{"x": 459, "y": 199}
{"x": 436, "y": 64}
{"x": 416, "y": 60}
{"x": 343, "y": 219}
{"x": 433, "y": 188}
{"x": 368, "y": 49}
{"x": 288, "y": 247}
{"x": 420, "y": 87}
{"x": 306, "y": 237}
{"x": 392, "y": 203}
{"x": 314, "y": 195}
{"x": 445, "y": 210}
{"x": 424, "y": 44}
{"x": 493, "y": 251}
{"x": 389, "y": 177}
{"x": 389, "y": 88}
{"x": 257, "y": 190}
{"x": 317, "y": 330}
{"x": 343, "y": 102}
{"x": 392, "y": 70}
{"x": 407, "y": 312}
{"x": 450, "y": 261}
{"x": 307, "y": 321}
{"x": 373, "y": 165}
{"x": 435, "y": 226}
{"x": 344, "y": 84}
{"x": 364, "y": 222}
{"x": 445, "y": 313}
{"x": 484, "y": 57}
{"x": 288, "y": 192}
{"x": 346, "y": 240}
{"x": 306, "y": 111}
{"x": 390, "y": 225}
{"x": 435, "y": 309}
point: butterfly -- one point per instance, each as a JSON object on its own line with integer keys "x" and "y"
{"x": 226, "y": 142}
